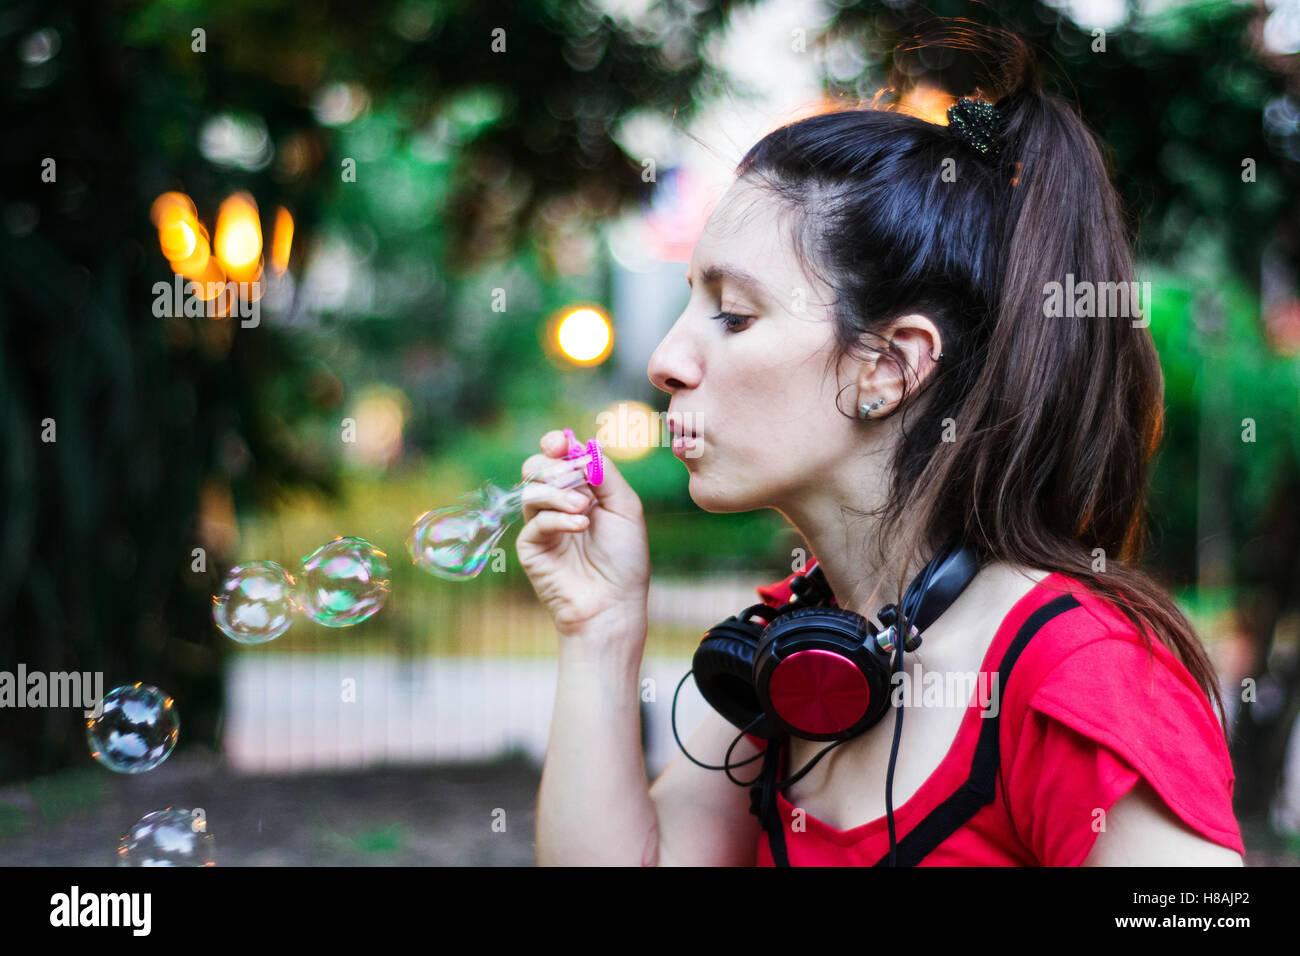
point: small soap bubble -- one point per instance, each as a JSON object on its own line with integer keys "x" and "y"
{"x": 343, "y": 582}
{"x": 136, "y": 730}
{"x": 255, "y": 604}
{"x": 170, "y": 837}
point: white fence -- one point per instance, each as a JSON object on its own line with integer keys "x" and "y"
{"x": 289, "y": 712}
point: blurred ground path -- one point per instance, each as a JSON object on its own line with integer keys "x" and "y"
{"x": 420, "y": 816}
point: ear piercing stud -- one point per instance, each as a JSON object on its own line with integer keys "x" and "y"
{"x": 864, "y": 410}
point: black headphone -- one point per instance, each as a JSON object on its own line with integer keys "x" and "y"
{"x": 818, "y": 672}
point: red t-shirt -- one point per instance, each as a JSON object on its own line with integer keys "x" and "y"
{"x": 1083, "y": 715}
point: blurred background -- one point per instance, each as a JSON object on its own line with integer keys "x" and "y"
{"x": 470, "y": 225}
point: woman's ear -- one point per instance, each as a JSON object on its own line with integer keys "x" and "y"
{"x": 879, "y": 384}
{"x": 913, "y": 342}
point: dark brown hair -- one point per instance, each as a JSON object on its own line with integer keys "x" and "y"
{"x": 1055, "y": 420}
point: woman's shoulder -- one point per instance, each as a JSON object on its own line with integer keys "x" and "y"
{"x": 1082, "y": 636}
{"x": 1091, "y": 669}
{"x": 1095, "y": 708}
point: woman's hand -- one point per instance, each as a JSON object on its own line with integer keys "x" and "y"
{"x": 584, "y": 549}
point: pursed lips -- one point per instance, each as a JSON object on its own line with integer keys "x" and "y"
{"x": 677, "y": 429}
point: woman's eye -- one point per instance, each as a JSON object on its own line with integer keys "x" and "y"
{"x": 732, "y": 322}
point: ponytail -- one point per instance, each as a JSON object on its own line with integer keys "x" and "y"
{"x": 1056, "y": 418}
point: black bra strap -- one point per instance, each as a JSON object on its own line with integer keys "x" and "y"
{"x": 981, "y": 786}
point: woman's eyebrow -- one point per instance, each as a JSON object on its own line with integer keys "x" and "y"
{"x": 714, "y": 274}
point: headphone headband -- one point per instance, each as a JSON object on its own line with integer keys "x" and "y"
{"x": 941, "y": 581}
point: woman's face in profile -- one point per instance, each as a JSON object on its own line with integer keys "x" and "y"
{"x": 746, "y": 364}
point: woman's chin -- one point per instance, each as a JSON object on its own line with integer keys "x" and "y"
{"x": 708, "y": 498}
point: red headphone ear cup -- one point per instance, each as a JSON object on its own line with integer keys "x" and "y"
{"x": 724, "y": 672}
{"x": 818, "y": 676}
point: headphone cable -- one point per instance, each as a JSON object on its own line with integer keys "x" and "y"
{"x": 727, "y": 765}
{"x": 893, "y": 750}
{"x": 902, "y": 632}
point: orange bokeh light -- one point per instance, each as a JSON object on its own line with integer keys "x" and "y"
{"x": 195, "y": 265}
{"x": 180, "y": 235}
{"x": 238, "y": 243}
{"x": 927, "y": 102}
{"x": 179, "y": 239}
{"x": 233, "y": 253}
{"x": 212, "y": 284}
{"x": 172, "y": 206}
{"x": 281, "y": 240}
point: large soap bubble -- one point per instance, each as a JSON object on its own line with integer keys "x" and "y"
{"x": 456, "y": 542}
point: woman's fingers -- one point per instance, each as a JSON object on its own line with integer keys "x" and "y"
{"x": 555, "y": 444}
{"x": 539, "y": 497}
{"x": 613, "y": 493}
{"x": 553, "y": 447}
{"x": 548, "y": 524}
{"x": 538, "y": 463}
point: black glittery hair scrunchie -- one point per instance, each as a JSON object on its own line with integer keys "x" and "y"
{"x": 979, "y": 124}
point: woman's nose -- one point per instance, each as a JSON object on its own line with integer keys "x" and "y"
{"x": 672, "y": 366}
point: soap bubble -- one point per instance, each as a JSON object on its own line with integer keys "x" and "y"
{"x": 136, "y": 730}
{"x": 455, "y": 542}
{"x": 168, "y": 837}
{"x": 343, "y": 582}
{"x": 255, "y": 604}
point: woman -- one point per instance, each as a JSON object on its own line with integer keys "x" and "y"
{"x": 906, "y": 263}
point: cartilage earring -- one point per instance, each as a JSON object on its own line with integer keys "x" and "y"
{"x": 864, "y": 410}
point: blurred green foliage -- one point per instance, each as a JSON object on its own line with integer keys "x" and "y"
{"x": 164, "y": 426}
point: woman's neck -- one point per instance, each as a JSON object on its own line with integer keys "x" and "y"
{"x": 862, "y": 576}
